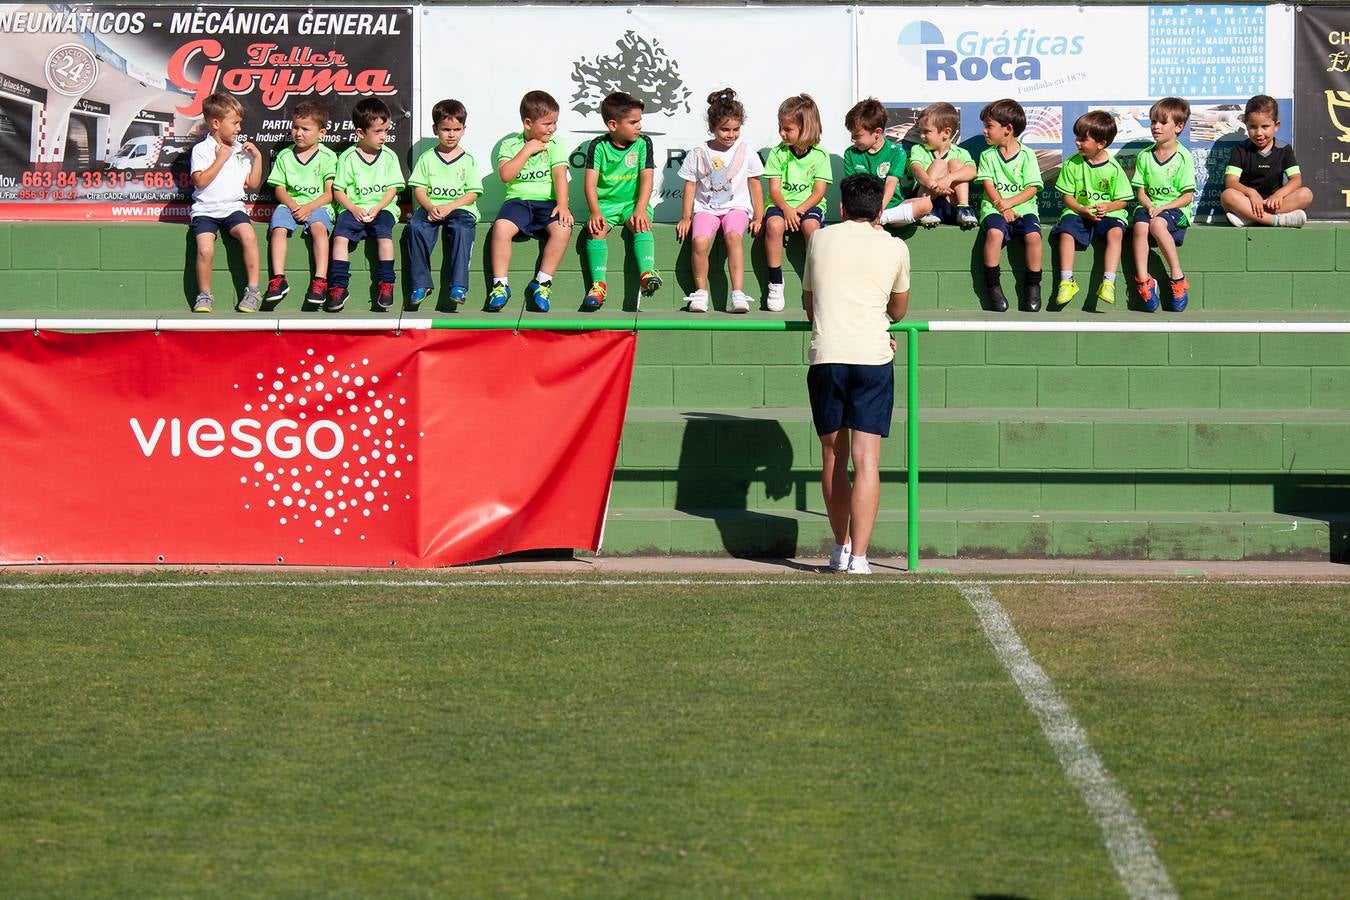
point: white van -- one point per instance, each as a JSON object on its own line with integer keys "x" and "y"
{"x": 149, "y": 151}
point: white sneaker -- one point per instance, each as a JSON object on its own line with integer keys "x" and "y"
{"x": 1296, "y": 219}
{"x": 775, "y": 299}
{"x": 1236, "y": 221}
{"x": 930, "y": 221}
{"x": 740, "y": 302}
{"x": 839, "y": 557}
{"x": 697, "y": 301}
{"x": 857, "y": 565}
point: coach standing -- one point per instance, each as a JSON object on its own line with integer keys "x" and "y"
{"x": 855, "y": 283}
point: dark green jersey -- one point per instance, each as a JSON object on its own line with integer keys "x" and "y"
{"x": 619, "y": 168}
{"x": 887, "y": 161}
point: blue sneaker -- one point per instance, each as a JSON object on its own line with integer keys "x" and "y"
{"x": 537, "y": 294}
{"x": 459, "y": 293}
{"x": 1181, "y": 295}
{"x": 416, "y": 297}
{"x": 497, "y": 297}
{"x": 1148, "y": 293}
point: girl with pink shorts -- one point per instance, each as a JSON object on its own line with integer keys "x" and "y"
{"x": 721, "y": 191}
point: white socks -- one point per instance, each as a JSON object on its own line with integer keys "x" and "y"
{"x": 898, "y": 215}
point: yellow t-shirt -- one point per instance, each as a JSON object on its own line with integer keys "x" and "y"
{"x": 851, "y": 270}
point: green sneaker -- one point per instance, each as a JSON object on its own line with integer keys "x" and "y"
{"x": 1065, "y": 293}
{"x": 1106, "y": 292}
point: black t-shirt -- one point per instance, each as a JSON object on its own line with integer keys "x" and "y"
{"x": 1264, "y": 173}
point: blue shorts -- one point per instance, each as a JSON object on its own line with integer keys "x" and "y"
{"x": 1022, "y": 225}
{"x": 1171, "y": 217}
{"x": 1082, "y": 233}
{"x": 814, "y": 212}
{"x": 283, "y": 218}
{"x": 348, "y": 227}
{"x": 532, "y": 218}
{"x": 851, "y": 396}
{"x": 212, "y": 225}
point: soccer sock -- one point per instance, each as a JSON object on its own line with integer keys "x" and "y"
{"x": 340, "y": 272}
{"x": 1033, "y": 277}
{"x": 775, "y": 274}
{"x": 386, "y": 271}
{"x": 1066, "y": 274}
{"x": 499, "y": 280}
{"x": 898, "y": 215}
{"x": 597, "y": 254}
{"x": 991, "y": 276}
{"x": 1180, "y": 276}
{"x": 644, "y": 248}
{"x": 1109, "y": 276}
{"x": 542, "y": 277}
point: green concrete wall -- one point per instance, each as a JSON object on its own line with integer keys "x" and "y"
{"x": 1168, "y": 446}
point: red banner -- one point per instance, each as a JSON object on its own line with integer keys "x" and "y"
{"x": 418, "y": 449}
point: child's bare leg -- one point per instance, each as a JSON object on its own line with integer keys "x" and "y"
{"x": 340, "y": 249}
{"x": 503, "y": 231}
{"x": 1034, "y": 251}
{"x": 735, "y": 261}
{"x": 962, "y": 190}
{"x": 554, "y": 248}
{"x": 1240, "y": 205}
{"x": 1297, "y": 199}
{"x": 206, "y": 251}
{"x": 809, "y": 227}
{"x": 384, "y": 249}
{"x": 993, "y": 247}
{"x": 698, "y": 262}
{"x": 1167, "y": 247}
{"x": 1111, "y": 259}
{"x": 774, "y": 228}
{"x": 1067, "y": 248}
{"x": 922, "y": 205}
{"x": 318, "y": 237}
{"x": 276, "y": 250}
{"x": 1139, "y": 232}
{"x": 248, "y": 242}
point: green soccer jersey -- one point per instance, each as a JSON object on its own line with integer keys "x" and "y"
{"x": 366, "y": 181}
{"x": 1090, "y": 183}
{"x": 886, "y": 162}
{"x": 618, "y": 169}
{"x": 304, "y": 180}
{"x": 1009, "y": 176}
{"x": 448, "y": 179}
{"x": 798, "y": 174}
{"x": 535, "y": 181}
{"x": 1165, "y": 181}
{"x": 923, "y": 157}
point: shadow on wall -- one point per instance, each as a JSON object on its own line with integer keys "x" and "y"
{"x": 724, "y": 461}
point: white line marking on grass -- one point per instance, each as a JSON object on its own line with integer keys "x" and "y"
{"x": 599, "y": 580}
{"x": 1127, "y": 841}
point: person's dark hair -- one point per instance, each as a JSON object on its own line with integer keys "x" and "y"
{"x": 449, "y": 109}
{"x": 617, "y": 105}
{"x": 368, "y": 111}
{"x": 1097, "y": 124}
{"x": 724, "y": 105}
{"x": 536, "y": 105}
{"x": 869, "y": 115}
{"x": 861, "y": 196}
{"x": 1170, "y": 109}
{"x": 1006, "y": 112}
{"x": 1263, "y": 104}
{"x": 314, "y": 110}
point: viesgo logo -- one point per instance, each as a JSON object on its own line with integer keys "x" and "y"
{"x": 322, "y": 445}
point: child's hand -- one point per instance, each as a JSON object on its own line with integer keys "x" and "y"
{"x": 756, "y": 225}
{"x": 533, "y": 146}
{"x": 1256, "y": 204}
{"x": 252, "y": 150}
{"x": 367, "y": 215}
{"x": 223, "y": 151}
{"x": 942, "y": 187}
{"x": 565, "y": 217}
{"x": 301, "y": 213}
{"x": 682, "y": 229}
{"x": 1274, "y": 203}
{"x": 792, "y": 219}
{"x": 595, "y": 225}
{"x": 639, "y": 222}
{"x": 1152, "y": 210}
{"x": 436, "y": 213}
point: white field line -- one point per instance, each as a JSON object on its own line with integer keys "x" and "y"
{"x": 1127, "y": 841}
{"x": 822, "y": 580}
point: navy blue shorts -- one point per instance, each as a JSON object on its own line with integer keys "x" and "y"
{"x": 1082, "y": 233}
{"x": 1022, "y": 225}
{"x": 814, "y": 212}
{"x": 347, "y": 226}
{"x": 212, "y": 225}
{"x": 851, "y": 396}
{"x": 1171, "y": 217}
{"x": 531, "y": 217}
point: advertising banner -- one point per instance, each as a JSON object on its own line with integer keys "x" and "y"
{"x": 1061, "y": 61}
{"x": 1322, "y": 85}
{"x": 421, "y": 449}
{"x": 669, "y": 57}
{"x": 100, "y": 105}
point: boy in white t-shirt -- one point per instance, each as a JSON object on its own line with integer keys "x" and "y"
{"x": 222, "y": 169}
{"x": 721, "y": 191}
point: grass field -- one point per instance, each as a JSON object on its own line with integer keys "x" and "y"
{"x": 807, "y": 737}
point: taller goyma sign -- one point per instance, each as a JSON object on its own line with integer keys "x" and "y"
{"x": 100, "y": 106}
